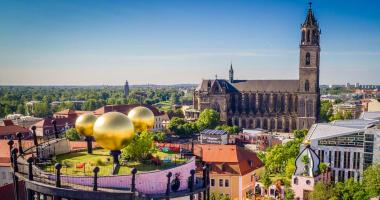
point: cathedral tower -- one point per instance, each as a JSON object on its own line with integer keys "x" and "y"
{"x": 309, "y": 71}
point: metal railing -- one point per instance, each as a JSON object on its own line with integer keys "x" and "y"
{"x": 39, "y": 183}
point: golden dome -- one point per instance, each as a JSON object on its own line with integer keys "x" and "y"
{"x": 142, "y": 118}
{"x": 113, "y": 131}
{"x": 85, "y": 123}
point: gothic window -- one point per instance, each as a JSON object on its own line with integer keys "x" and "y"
{"x": 308, "y": 35}
{"x": 209, "y": 85}
{"x": 307, "y": 59}
{"x": 303, "y": 37}
{"x": 307, "y": 86}
{"x": 314, "y": 39}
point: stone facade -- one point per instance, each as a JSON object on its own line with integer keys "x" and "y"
{"x": 276, "y": 105}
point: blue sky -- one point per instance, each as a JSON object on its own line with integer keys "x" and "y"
{"x": 77, "y": 42}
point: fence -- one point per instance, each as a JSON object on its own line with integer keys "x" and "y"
{"x": 179, "y": 179}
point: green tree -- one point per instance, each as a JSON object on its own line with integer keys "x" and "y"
{"x": 290, "y": 167}
{"x": 371, "y": 180}
{"x": 208, "y": 119}
{"x": 326, "y": 111}
{"x": 72, "y": 134}
{"x": 175, "y": 113}
{"x": 182, "y": 128}
{"x": 321, "y": 192}
{"x": 20, "y": 109}
{"x": 289, "y": 194}
{"x": 300, "y": 134}
{"x": 140, "y": 148}
{"x": 41, "y": 110}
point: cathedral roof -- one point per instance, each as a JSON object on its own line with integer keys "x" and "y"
{"x": 267, "y": 85}
{"x": 206, "y": 85}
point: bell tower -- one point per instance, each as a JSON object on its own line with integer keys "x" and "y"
{"x": 309, "y": 71}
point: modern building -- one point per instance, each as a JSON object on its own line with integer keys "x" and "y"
{"x": 209, "y": 136}
{"x": 348, "y": 146}
{"x": 281, "y": 105}
{"x": 232, "y": 169}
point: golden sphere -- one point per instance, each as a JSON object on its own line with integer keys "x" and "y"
{"x": 113, "y": 131}
{"x": 85, "y": 123}
{"x": 142, "y": 118}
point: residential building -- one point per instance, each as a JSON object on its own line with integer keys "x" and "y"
{"x": 9, "y": 130}
{"x": 257, "y": 139}
{"x": 45, "y": 128}
{"x": 349, "y": 107}
{"x": 209, "y": 136}
{"x": 232, "y": 169}
{"x": 348, "y": 146}
{"x": 69, "y": 113}
{"x": 21, "y": 120}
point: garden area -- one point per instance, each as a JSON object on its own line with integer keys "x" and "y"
{"x": 82, "y": 163}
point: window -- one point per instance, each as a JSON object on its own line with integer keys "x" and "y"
{"x": 333, "y": 176}
{"x": 346, "y": 160}
{"x": 330, "y": 157}
{"x": 307, "y": 85}
{"x": 337, "y": 159}
{"x": 308, "y": 182}
{"x": 295, "y": 181}
{"x": 308, "y": 35}
{"x": 212, "y": 182}
{"x": 220, "y": 182}
{"x": 226, "y": 183}
{"x": 303, "y": 36}
{"x": 307, "y": 59}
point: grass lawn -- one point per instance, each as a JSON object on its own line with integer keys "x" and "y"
{"x": 103, "y": 160}
{"x": 163, "y": 105}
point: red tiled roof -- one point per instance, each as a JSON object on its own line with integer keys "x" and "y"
{"x": 11, "y": 129}
{"x": 125, "y": 109}
{"x": 4, "y": 150}
{"x": 8, "y": 122}
{"x": 70, "y": 112}
{"x": 60, "y": 122}
{"x": 237, "y": 159}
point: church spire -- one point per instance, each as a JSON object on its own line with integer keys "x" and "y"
{"x": 310, "y": 29}
{"x": 310, "y": 19}
{"x": 231, "y": 74}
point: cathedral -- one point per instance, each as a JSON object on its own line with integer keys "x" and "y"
{"x": 274, "y": 105}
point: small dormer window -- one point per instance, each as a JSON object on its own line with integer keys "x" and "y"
{"x": 308, "y": 182}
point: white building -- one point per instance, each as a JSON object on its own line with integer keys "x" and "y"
{"x": 349, "y": 146}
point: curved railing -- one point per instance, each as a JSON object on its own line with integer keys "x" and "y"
{"x": 147, "y": 185}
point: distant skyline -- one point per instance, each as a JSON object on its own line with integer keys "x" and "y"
{"x": 100, "y": 42}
